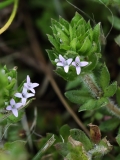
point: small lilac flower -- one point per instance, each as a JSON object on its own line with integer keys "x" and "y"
{"x": 63, "y": 63}
{"x": 79, "y": 64}
{"x": 24, "y": 95}
{"x": 14, "y": 107}
{"x": 30, "y": 86}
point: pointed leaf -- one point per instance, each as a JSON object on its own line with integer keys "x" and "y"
{"x": 81, "y": 137}
{"x": 76, "y": 18}
{"x": 52, "y": 55}
{"x": 109, "y": 125}
{"x": 53, "y": 42}
{"x": 96, "y": 32}
{"x": 78, "y": 96}
{"x": 89, "y": 105}
{"x": 73, "y": 44}
{"x": 104, "y": 77}
{"x": 86, "y": 46}
{"x": 110, "y": 90}
{"x": 65, "y": 132}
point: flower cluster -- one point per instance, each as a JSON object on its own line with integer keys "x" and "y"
{"x": 62, "y": 62}
{"x": 28, "y": 86}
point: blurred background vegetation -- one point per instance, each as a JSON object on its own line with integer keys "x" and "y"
{"x": 24, "y": 45}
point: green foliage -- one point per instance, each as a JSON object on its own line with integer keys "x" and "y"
{"x": 116, "y": 23}
{"x": 79, "y": 146}
{"x": 5, "y": 3}
{"x": 44, "y": 148}
{"x": 73, "y": 39}
{"x": 117, "y": 40}
{"x": 109, "y": 125}
{"x": 80, "y": 136}
{"x": 104, "y": 77}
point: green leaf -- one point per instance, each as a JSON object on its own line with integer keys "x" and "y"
{"x": 110, "y": 90}
{"x": 65, "y": 132}
{"x": 118, "y": 139}
{"x": 70, "y": 76}
{"x": 53, "y": 42}
{"x": 109, "y": 125}
{"x": 63, "y": 37}
{"x": 86, "y": 46}
{"x": 16, "y": 149}
{"x": 117, "y": 40}
{"x": 104, "y": 77}
{"x": 118, "y": 96}
{"x": 81, "y": 137}
{"x": 89, "y": 105}
{"x": 62, "y": 148}
{"x": 47, "y": 145}
{"x": 75, "y": 19}
{"x": 52, "y": 55}
{"x": 73, "y": 44}
{"x": 78, "y": 96}
{"x": 64, "y": 22}
{"x": 11, "y": 85}
{"x": 96, "y": 33}
{"x": 5, "y": 3}
{"x": 93, "y": 60}
{"x": 116, "y": 23}
{"x": 101, "y": 102}
{"x": 73, "y": 84}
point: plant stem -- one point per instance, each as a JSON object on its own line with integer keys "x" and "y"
{"x": 111, "y": 107}
{"x": 10, "y": 20}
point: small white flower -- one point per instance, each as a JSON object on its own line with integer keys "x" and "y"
{"x": 63, "y": 63}
{"x": 24, "y": 95}
{"x": 14, "y": 107}
{"x": 30, "y": 86}
{"x": 77, "y": 64}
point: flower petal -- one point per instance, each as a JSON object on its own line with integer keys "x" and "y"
{"x": 15, "y": 112}
{"x": 24, "y": 91}
{"x": 8, "y": 108}
{"x": 24, "y": 101}
{"x": 61, "y": 58}
{"x": 66, "y": 69}
{"x": 12, "y": 102}
{"x": 19, "y": 95}
{"x": 30, "y": 95}
{"x": 69, "y": 61}
{"x": 77, "y": 59}
{"x": 33, "y": 85}
{"x": 28, "y": 79}
{"x": 83, "y": 63}
{"x": 32, "y": 90}
{"x": 60, "y": 64}
{"x": 74, "y": 64}
{"x": 18, "y": 105}
{"x": 78, "y": 70}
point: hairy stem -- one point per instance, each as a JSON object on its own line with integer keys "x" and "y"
{"x": 96, "y": 91}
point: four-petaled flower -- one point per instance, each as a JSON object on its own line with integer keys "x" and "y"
{"x": 63, "y": 63}
{"x": 77, "y": 64}
{"x": 30, "y": 86}
{"x": 14, "y": 107}
{"x": 24, "y": 95}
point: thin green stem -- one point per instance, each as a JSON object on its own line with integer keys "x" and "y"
{"x": 10, "y": 20}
